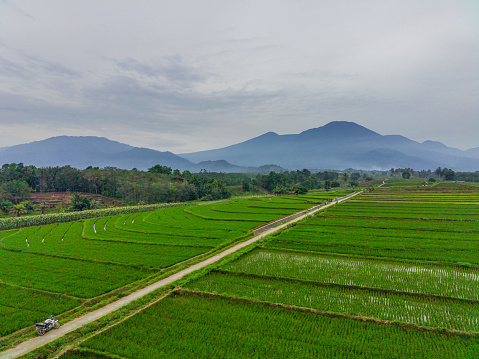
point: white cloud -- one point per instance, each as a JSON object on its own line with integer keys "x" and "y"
{"x": 189, "y": 75}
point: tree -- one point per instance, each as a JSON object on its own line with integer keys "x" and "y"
{"x": 5, "y": 205}
{"x": 354, "y": 183}
{"x": 15, "y": 191}
{"x": 245, "y": 185}
{"x": 280, "y": 190}
{"x": 438, "y": 172}
{"x": 299, "y": 189}
{"x": 18, "y": 209}
{"x": 448, "y": 174}
{"x": 335, "y": 184}
{"x": 406, "y": 174}
{"x": 160, "y": 169}
{"x": 28, "y": 206}
{"x": 79, "y": 202}
{"x": 327, "y": 185}
{"x": 43, "y": 207}
{"x": 355, "y": 176}
{"x": 345, "y": 177}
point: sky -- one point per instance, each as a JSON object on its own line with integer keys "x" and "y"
{"x": 191, "y": 75}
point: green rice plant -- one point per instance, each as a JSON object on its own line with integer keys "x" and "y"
{"x": 179, "y": 222}
{"x": 191, "y": 326}
{"x": 428, "y": 211}
{"x": 84, "y": 354}
{"x": 26, "y": 221}
{"x": 21, "y": 307}
{"x": 209, "y": 212}
{"x": 382, "y": 305}
{"x": 451, "y": 257}
{"x": 82, "y": 279}
{"x": 65, "y": 240}
{"x": 389, "y": 223}
{"x": 369, "y": 273}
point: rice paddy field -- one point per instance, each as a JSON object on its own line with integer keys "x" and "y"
{"x": 392, "y": 273}
{"x": 57, "y": 268}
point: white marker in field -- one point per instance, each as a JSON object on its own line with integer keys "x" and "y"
{"x": 104, "y": 227}
{"x": 26, "y": 240}
{"x": 43, "y": 240}
{"x": 62, "y": 239}
{"x": 133, "y": 221}
{"x": 94, "y": 228}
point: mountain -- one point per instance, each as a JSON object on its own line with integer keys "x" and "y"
{"x": 337, "y": 145}
{"x": 84, "y": 151}
{"x": 340, "y": 145}
{"x": 473, "y": 152}
{"x": 62, "y": 150}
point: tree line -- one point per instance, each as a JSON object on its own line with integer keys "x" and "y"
{"x": 162, "y": 184}
{"x": 17, "y": 182}
{"x": 158, "y": 184}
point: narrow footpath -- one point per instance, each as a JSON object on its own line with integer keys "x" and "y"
{"x": 29, "y": 345}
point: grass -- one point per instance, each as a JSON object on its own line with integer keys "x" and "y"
{"x": 382, "y": 305}
{"x": 369, "y": 273}
{"x": 211, "y": 327}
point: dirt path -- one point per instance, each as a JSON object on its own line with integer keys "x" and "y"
{"x": 37, "y": 342}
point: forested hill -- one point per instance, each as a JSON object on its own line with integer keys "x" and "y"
{"x": 158, "y": 184}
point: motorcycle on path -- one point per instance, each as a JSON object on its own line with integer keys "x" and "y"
{"x": 49, "y": 324}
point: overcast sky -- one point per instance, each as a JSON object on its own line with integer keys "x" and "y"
{"x": 189, "y": 75}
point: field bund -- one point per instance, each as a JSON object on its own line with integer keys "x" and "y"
{"x": 129, "y": 220}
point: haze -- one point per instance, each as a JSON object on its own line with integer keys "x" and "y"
{"x": 187, "y": 76}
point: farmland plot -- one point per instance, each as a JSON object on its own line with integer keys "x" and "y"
{"x": 392, "y": 274}
{"x": 407, "y": 277}
{"x": 22, "y": 307}
{"x": 357, "y": 302}
{"x": 90, "y": 258}
{"x": 212, "y": 327}
{"x": 440, "y": 232}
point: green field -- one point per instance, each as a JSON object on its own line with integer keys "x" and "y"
{"x": 73, "y": 262}
{"x": 406, "y": 277}
{"x": 425, "y": 231}
{"x": 357, "y": 302}
{"x": 210, "y": 327}
{"x": 392, "y": 273}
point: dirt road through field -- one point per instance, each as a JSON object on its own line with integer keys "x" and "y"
{"x": 37, "y": 342}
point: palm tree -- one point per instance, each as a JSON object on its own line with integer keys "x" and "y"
{"x": 345, "y": 177}
{"x": 18, "y": 209}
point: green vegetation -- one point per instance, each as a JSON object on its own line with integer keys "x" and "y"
{"x": 88, "y": 259}
{"x": 358, "y": 302}
{"x": 22, "y": 307}
{"x": 211, "y": 327}
{"x": 396, "y": 221}
{"x": 392, "y": 273}
{"x": 369, "y": 273}
{"x": 160, "y": 184}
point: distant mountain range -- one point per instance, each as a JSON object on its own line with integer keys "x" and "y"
{"x": 337, "y": 145}
{"x": 81, "y": 152}
{"x": 340, "y": 145}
